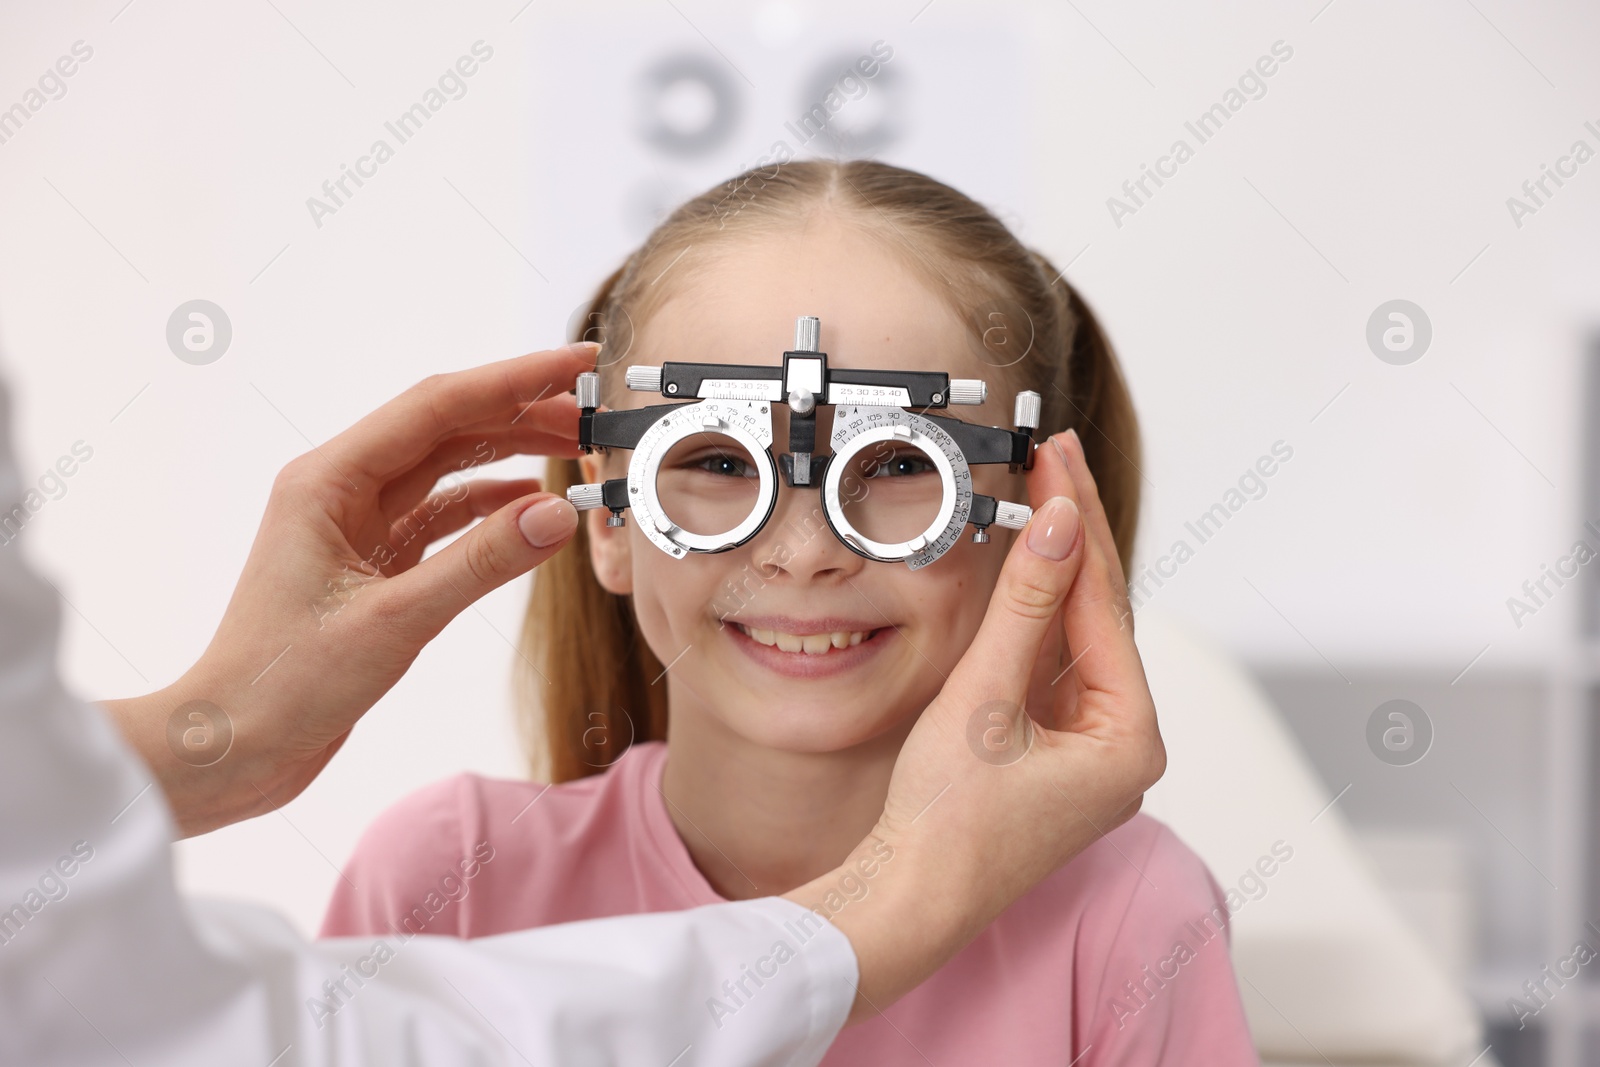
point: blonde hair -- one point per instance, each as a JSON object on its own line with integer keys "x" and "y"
{"x": 582, "y": 653}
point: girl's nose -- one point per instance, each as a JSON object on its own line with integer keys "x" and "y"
{"x": 798, "y": 540}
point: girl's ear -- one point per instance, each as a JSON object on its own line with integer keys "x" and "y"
{"x": 610, "y": 547}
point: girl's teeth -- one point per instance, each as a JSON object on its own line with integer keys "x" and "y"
{"x": 811, "y": 644}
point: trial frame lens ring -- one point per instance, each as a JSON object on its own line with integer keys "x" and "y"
{"x": 887, "y": 551}
{"x": 679, "y": 425}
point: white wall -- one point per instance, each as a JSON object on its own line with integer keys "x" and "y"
{"x": 1377, "y": 165}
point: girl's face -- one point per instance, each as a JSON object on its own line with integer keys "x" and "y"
{"x": 794, "y": 577}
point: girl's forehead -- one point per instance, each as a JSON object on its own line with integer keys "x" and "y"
{"x": 738, "y": 299}
{"x": 883, "y": 304}
{"x": 879, "y": 315}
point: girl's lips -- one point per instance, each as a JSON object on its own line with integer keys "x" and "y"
{"x": 807, "y": 664}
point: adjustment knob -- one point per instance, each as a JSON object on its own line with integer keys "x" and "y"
{"x": 1027, "y": 410}
{"x": 807, "y": 333}
{"x": 971, "y": 391}
{"x": 586, "y": 497}
{"x": 1012, "y": 516}
{"x": 588, "y": 389}
{"x": 644, "y": 379}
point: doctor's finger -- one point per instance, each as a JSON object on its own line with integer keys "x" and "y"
{"x": 1088, "y": 497}
{"x": 508, "y": 543}
{"x": 1098, "y": 651}
{"x": 557, "y": 413}
{"x": 1104, "y": 659}
{"x": 1038, "y": 572}
{"x": 459, "y": 456}
{"x": 444, "y": 513}
{"x": 403, "y": 431}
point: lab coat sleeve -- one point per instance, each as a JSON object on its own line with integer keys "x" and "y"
{"x": 102, "y": 961}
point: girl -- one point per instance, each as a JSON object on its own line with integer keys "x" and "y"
{"x": 723, "y": 726}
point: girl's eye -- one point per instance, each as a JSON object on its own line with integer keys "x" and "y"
{"x": 901, "y": 465}
{"x": 722, "y": 464}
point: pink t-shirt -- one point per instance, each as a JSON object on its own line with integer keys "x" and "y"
{"x": 1120, "y": 957}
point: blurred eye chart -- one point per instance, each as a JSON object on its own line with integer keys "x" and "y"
{"x": 657, "y": 111}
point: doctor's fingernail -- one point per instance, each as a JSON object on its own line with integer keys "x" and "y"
{"x": 548, "y": 521}
{"x": 1054, "y": 528}
{"x": 1061, "y": 451}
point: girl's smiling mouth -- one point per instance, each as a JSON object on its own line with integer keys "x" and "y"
{"x": 804, "y": 648}
{"x": 811, "y": 644}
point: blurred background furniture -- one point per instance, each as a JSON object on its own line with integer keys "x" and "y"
{"x": 1330, "y": 968}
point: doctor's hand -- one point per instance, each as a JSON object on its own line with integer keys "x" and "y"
{"x": 985, "y": 799}
{"x": 336, "y": 601}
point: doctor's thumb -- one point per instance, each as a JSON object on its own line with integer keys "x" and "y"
{"x": 548, "y": 523}
{"x": 506, "y": 544}
{"x": 1034, "y": 582}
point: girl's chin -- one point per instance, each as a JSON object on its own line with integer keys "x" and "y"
{"x": 804, "y": 728}
{"x": 813, "y": 727}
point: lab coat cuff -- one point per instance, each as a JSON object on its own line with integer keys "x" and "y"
{"x": 831, "y": 970}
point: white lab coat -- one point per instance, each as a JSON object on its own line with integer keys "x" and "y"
{"x": 102, "y": 961}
